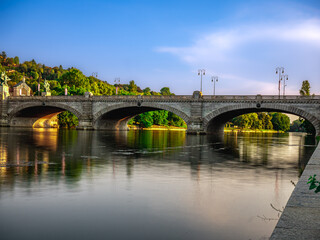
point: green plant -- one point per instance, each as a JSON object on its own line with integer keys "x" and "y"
{"x": 314, "y": 184}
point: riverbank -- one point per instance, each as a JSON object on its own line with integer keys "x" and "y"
{"x": 251, "y": 130}
{"x": 172, "y": 128}
{"x": 301, "y": 216}
{"x": 156, "y": 127}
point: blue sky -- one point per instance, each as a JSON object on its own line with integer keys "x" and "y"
{"x": 164, "y": 43}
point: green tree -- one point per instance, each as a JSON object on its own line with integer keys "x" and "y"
{"x": 165, "y": 91}
{"x": 175, "y": 120}
{"x": 305, "y": 88}
{"x": 67, "y": 120}
{"x": 280, "y": 122}
{"x": 34, "y": 75}
{"x": 16, "y": 60}
{"x": 74, "y": 77}
{"x": 132, "y": 87}
{"x": 267, "y": 122}
{"x": 145, "y": 120}
{"x": 146, "y": 91}
{"x": 4, "y": 54}
{"x": 242, "y": 121}
{"x": 160, "y": 118}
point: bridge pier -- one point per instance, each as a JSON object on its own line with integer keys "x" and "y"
{"x": 3, "y": 114}
{"x": 195, "y": 126}
{"x": 85, "y": 124}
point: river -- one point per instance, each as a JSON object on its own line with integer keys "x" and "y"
{"x": 59, "y": 184}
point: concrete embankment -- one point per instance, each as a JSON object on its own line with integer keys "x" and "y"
{"x": 301, "y": 216}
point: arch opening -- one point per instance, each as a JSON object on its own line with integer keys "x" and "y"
{"x": 143, "y": 116}
{"x": 217, "y": 123}
{"x": 38, "y": 117}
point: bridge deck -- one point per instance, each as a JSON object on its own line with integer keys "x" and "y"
{"x": 175, "y": 97}
{"x": 301, "y": 216}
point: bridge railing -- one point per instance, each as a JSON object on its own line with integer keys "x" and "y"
{"x": 171, "y": 97}
{"x": 266, "y": 97}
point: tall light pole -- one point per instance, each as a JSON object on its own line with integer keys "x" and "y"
{"x": 201, "y": 72}
{"x": 117, "y": 80}
{"x": 279, "y": 70}
{"x": 39, "y": 84}
{"x": 284, "y": 78}
{"x": 214, "y": 79}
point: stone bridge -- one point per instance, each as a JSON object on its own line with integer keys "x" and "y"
{"x": 202, "y": 114}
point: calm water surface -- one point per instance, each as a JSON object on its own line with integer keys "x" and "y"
{"x": 145, "y": 185}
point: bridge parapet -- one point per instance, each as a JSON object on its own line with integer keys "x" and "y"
{"x": 170, "y": 98}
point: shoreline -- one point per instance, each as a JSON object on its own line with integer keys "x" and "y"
{"x": 172, "y": 128}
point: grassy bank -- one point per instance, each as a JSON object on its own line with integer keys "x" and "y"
{"x": 172, "y": 128}
{"x": 251, "y": 130}
{"x": 156, "y": 127}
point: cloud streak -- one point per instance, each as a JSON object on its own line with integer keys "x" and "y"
{"x": 243, "y": 52}
{"x": 222, "y": 42}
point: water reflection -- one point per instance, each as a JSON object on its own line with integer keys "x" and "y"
{"x": 145, "y": 184}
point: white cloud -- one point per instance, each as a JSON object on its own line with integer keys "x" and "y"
{"x": 243, "y": 53}
{"x": 222, "y": 42}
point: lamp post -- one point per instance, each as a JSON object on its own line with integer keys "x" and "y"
{"x": 117, "y": 80}
{"x": 279, "y": 70}
{"x": 39, "y": 84}
{"x": 201, "y": 72}
{"x": 284, "y": 78}
{"x": 214, "y": 79}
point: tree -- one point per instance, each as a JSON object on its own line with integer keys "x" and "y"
{"x": 280, "y": 122}
{"x": 132, "y": 86}
{"x": 146, "y": 91}
{"x": 165, "y": 91}
{"x": 67, "y": 120}
{"x": 35, "y": 75}
{"x": 296, "y": 126}
{"x": 16, "y": 60}
{"x": 74, "y": 77}
{"x": 175, "y": 120}
{"x": 305, "y": 88}
{"x": 267, "y": 122}
{"x": 3, "y": 54}
{"x": 160, "y": 118}
{"x": 145, "y": 119}
{"x": 242, "y": 121}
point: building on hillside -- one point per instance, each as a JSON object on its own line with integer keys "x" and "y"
{"x": 21, "y": 89}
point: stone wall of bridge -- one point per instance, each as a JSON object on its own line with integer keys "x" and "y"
{"x": 205, "y": 114}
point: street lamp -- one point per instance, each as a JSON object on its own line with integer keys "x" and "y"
{"x": 39, "y": 83}
{"x": 117, "y": 80}
{"x": 284, "y": 78}
{"x": 214, "y": 79}
{"x": 201, "y": 72}
{"x": 279, "y": 70}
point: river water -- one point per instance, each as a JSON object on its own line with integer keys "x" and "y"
{"x": 57, "y": 184}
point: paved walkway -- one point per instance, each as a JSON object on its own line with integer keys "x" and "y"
{"x": 301, "y": 216}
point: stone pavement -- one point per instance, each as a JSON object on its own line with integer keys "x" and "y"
{"x": 301, "y": 216}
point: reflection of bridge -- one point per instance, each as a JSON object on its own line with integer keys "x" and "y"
{"x": 205, "y": 114}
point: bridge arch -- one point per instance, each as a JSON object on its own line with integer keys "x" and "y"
{"x": 29, "y": 114}
{"x": 116, "y": 117}
{"x": 214, "y": 121}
